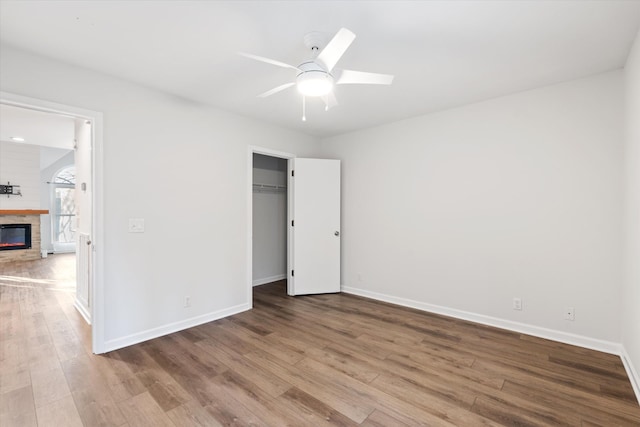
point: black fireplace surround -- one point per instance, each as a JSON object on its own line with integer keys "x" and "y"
{"x": 15, "y": 236}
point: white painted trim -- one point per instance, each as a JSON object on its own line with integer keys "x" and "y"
{"x": 170, "y": 328}
{"x": 632, "y": 373}
{"x": 253, "y": 149}
{"x": 264, "y": 281}
{"x": 550, "y": 334}
{"x": 291, "y": 281}
{"x": 83, "y": 310}
{"x": 97, "y": 226}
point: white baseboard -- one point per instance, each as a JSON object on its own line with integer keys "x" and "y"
{"x": 564, "y": 337}
{"x": 264, "y": 281}
{"x": 82, "y": 310}
{"x": 139, "y": 337}
{"x": 631, "y": 372}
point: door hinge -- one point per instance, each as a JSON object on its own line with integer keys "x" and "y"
{"x": 292, "y": 223}
{"x": 292, "y": 273}
{"x": 293, "y": 173}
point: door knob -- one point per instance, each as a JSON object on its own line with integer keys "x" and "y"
{"x": 88, "y": 242}
{"x": 337, "y": 233}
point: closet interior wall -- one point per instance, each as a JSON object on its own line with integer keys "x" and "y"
{"x": 269, "y": 219}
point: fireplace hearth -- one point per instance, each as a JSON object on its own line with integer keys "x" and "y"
{"x": 15, "y": 236}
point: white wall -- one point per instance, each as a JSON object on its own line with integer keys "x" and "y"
{"x": 183, "y": 168}
{"x": 46, "y": 175}
{"x": 631, "y": 293}
{"x": 520, "y": 196}
{"x": 269, "y": 220}
{"x": 20, "y": 165}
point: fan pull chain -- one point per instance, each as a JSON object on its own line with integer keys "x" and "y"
{"x": 304, "y": 108}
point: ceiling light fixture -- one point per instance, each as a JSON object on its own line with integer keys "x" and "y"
{"x": 315, "y": 77}
{"x": 16, "y": 138}
{"x": 314, "y": 83}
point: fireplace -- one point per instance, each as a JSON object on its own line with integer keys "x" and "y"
{"x": 15, "y": 236}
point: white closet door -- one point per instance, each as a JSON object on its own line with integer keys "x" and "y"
{"x": 316, "y": 229}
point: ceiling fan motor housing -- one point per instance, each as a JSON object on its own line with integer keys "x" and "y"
{"x": 313, "y": 80}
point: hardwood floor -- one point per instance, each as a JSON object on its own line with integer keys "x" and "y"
{"x": 305, "y": 361}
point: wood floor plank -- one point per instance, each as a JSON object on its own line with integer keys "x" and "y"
{"x": 505, "y": 413}
{"x": 12, "y": 355}
{"x": 17, "y": 407}
{"x": 261, "y": 342}
{"x": 380, "y": 419}
{"x": 48, "y": 385}
{"x": 345, "y": 363}
{"x": 161, "y": 385}
{"x": 334, "y": 359}
{"x": 61, "y": 412}
{"x": 269, "y": 410}
{"x": 192, "y": 414}
{"x": 558, "y": 401}
{"x": 270, "y": 383}
{"x": 122, "y": 383}
{"x": 344, "y": 400}
{"x": 436, "y": 402}
{"x": 13, "y": 379}
{"x": 358, "y": 392}
{"x": 96, "y": 407}
{"x": 543, "y": 385}
{"x": 313, "y": 411}
{"x": 142, "y": 410}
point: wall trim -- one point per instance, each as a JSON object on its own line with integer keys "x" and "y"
{"x": 632, "y": 373}
{"x": 550, "y": 334}
{"x": 264, "y": 281}
{"x": 82, "y": 310}
{"x": 170, "y": 328}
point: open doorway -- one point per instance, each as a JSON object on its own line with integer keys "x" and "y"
{"x": 51, "y": 150}
{"x": 269, "y": 189}
{"x": 270, "y": 199}
{"x": 44, "y": 154}
{"x": 312, "y": 222}
{"x": 269, "y": 213}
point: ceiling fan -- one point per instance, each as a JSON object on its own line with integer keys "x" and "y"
{"x": 316, "y": 77}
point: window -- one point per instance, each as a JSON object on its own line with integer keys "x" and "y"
{"x": 64, "y": 206}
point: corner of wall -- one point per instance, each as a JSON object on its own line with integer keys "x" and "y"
{"x": 631, "y": 289}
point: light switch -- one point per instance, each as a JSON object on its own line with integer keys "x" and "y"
{"x": 136, "y": 225}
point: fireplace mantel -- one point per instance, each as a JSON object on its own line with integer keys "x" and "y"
{"x": 23, "y": 212}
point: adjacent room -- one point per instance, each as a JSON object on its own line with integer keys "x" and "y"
{"x": 375, "y": 213}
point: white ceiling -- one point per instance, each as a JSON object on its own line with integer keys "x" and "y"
{"x": 37, "y": 128}
{"x": 443, "y": 53}
{"x": 53, "y": 133}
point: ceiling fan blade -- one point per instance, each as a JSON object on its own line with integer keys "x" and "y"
{"x": 330, "y": 100}
{"x": 276, "y": 90}
{"x": 361, "y": 77}
{"x": 333, "y": 51}
{"x": 267, "y": 60}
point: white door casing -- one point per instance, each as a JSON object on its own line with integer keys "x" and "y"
{"x": 96, "y": 218}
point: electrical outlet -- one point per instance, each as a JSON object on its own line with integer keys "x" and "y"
{"x": 517, "y": 303}
{"x": 136, "y": 225}
{"x": 569, "y": 313}
{"x": 187, "y": 301}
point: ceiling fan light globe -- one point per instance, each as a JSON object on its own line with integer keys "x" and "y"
{"x": 314, "y": 83}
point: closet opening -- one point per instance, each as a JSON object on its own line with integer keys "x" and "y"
{"x": 270, "y": 206}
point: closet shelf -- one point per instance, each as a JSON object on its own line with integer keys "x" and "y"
{"x": 269, "y": 187}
